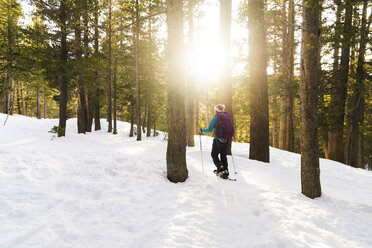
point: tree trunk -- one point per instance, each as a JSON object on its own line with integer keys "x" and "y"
{"x": 12, "y": 103}
{"x": 275, "y": 133}
{"x": 63, "y": 78}
{"x": 9, "y": 60}
{"x": 88, "y": 105}
{"x": 353, "y": 144}
{"x": 196, "y": 114}
{"x": 81, "y": 121}
{"x": 310, "y": 173}
{"x": 38, "y": 114}
{"x": 97, "y": 121}
{"x": 138, "y": 89}
{"x": 259, "y": 128}
{"x": 149, "y": 113}
{"x": 225, "y": 34}
{"x": 89, "y": 109}
{"x": 115, "y": 69}
{"x": 7, "y": 93}
{"x": 24, "y": 109}
{"x": 335, "y": 72}
{"x": 190, "y": 98}
{"x": 151, "y": 82}
{"x": 19, "y": 104}
{"x": 154, "y": 134}
{"x": 109, "y": 108}
{"x": 176, "y": 149}
{"x": 286, "y": 133}
{"x": 132, "y": 114}
{"x": 45, "y": 102}
{"x": 338, "y": 93}
{"x": 144, "y": 118}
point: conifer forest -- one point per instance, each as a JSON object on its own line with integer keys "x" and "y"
{"x": 295, "y": 74}
{"x": 185, "y": 123}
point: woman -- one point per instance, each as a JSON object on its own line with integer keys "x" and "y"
{"x": 221, "y": 139}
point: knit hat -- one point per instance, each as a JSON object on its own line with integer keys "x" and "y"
{"x": 219, "y": 108}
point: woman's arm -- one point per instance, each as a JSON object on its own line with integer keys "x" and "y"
{"x": 211, "y": 125}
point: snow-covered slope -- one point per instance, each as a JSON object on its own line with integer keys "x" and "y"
{"x": 104, "y": 191}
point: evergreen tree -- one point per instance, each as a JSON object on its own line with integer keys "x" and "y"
{"x": 353, "y": 143}
{"x": 286, "y": 132}
{"x": 176, "y": 149}
{"x": 339, "y": 92}
{"x": 310, "y": 173}
{"x": 259, "y": 128}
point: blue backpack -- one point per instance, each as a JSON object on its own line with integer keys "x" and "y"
{"x": 224, "y": 128}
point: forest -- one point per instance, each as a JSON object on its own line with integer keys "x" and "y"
{"x": 296, "y": 75}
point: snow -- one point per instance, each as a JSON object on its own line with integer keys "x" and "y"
{"x": 102, "y": 190}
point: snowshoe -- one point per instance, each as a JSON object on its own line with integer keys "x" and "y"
{"x": 223, "y": 174}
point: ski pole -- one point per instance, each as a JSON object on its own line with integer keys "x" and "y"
{"x": 201, "y": 153}
{"x": 232, "y": 157}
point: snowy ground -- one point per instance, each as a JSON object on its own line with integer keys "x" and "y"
{"x": 104, "y": 191}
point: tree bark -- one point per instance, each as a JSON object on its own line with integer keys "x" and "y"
{"x": 176, "y": 149}
{"x": 24, "y": 109}
{"x": 82, "y": 120}
{"x": 132, "y": 114}
{"x": 196, "y": 114}
{"x": 63, "y": 77}
{"x": 338, "y": 93}
{"x": 12, "y": 102}
{"x": 115, "y": 69}
{"x": 97, "y": 121}
{"x": 138, "y": 85}
{"x": 9, "y": 61}
{"x": 109, "y": 107}
{"x": 190, "y": 82}
{"x": 144, "y": 118}
{"x": 38, "y": 113}
{"x": 149, "y": 116}
{"x": 286, "y": 132}
{"x": 151, "y": 82}
{"x": 19, "y": 105}
{"x": 154, "y": 134}
{"x": 310, "y": 173}
{"x": 275, "y": 133}
{"x": 225, "y": 34}
{"x": 259, "y": 128}
{"x": 45, "y": 103}
{"x": 88, "y": 112}
{"x": 353, "y": 144}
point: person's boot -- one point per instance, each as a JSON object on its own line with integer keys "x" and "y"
{"x": 224, "y": 174}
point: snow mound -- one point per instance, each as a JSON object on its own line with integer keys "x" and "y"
{"x": 108, "y": 191}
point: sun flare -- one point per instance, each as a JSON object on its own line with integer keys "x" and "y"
{"x": 205, "y": 56}
{"x": 205, "y": 61}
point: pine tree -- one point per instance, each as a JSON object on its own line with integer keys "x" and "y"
{"x": 353, "y": 143}
{"x": 190, "y": 82}
{"x": 176, "y": 149}
{"x": 109, "y": 97}
{"x": 138, "y": 84}
{"x": 62, "y": 21}
{"x": 225, "y": 34}
{"x": 310, "y": 173}
{"x": 259, "y": 130}
{"x": 339, "y": 92}
{"x": 10, "y": 13}
{"x": 96, "y": 101}
{"x": 286, "y": 132}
